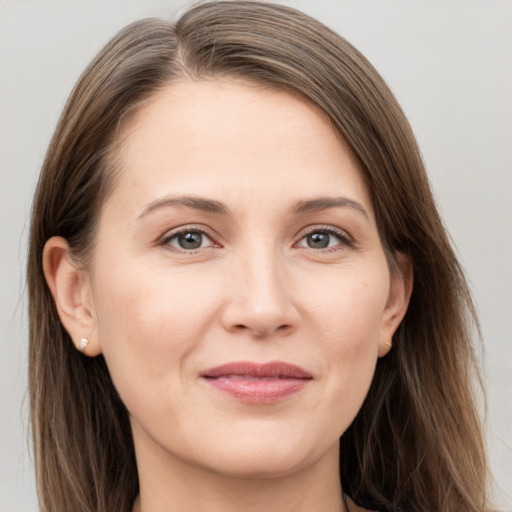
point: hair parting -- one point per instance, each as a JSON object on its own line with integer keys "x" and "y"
{"x": 416, "y": 443}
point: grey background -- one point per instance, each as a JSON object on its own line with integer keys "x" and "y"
{"x": 448, "y": 62}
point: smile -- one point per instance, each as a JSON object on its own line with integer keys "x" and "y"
{"x": 257, "y": 383}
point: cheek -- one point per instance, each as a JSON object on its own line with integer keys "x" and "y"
{"x": 348, "y": 308}
{"x": 149, "y": 321}
{"x": 140, "y": 300}
{"x": 350, "y": 318}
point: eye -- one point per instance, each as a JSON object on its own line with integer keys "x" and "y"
{"x": 188, "y": 240}
{"x": 325, "y": 238}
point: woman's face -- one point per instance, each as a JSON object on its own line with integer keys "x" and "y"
{"x": 239, "y": 232}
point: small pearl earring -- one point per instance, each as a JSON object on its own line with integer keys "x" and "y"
{"x": 385, "y": 348}
{"x": 83, "y": 343}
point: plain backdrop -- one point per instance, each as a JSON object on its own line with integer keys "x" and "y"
{"x": 448, "y": 62}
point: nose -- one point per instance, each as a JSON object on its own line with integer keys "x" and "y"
{"x": 260, "y": 297}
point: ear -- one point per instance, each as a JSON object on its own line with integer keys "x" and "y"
{"x": 70, "y": 288}
{"x": 398, "y": 300}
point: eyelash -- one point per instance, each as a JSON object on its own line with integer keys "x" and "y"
{"x": 344, "y": 238}
{"x": 183, "y": 231}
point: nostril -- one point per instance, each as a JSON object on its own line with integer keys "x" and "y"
{"x": 263, "y": 332}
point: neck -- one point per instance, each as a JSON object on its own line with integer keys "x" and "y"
{"x": 172, "y": 486}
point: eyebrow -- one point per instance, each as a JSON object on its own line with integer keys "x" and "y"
{"x": 213, "y": 206}
{"x": 197, "y": 203}
{"x": 323, "y": 203}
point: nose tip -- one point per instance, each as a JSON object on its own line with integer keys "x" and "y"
{"x": 260, "y": 303}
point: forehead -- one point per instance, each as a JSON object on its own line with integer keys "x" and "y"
{"x": 227, "y": 138}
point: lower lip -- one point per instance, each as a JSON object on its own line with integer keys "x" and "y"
{"x": 257, "y": 390}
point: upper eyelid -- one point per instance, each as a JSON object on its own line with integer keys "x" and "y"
{"x": 214, "y": 236}
{"x": 170, "y": 234}
{"x": 189, "y": 227}
{"x": 345, "y": 239}
{"x": 324, "y": 227}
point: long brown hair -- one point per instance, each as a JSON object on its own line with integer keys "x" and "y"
{"x": 416, "y": 444}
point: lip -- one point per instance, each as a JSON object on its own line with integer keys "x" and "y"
{"x": 257, "y": 383}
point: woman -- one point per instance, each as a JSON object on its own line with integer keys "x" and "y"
{"x": 241, "y": 294}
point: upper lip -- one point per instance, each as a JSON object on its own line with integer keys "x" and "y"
{"x": 276, "y": 369}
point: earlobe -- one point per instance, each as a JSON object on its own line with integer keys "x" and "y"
{"x": 398, "y": 301}
{"x": 71, "y": 292}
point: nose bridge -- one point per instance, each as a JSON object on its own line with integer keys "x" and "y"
{"x": 263, "y": 271}
{"x": 260, "y": 300}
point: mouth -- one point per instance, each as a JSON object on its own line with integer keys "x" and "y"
{"x": 257, "y": 383}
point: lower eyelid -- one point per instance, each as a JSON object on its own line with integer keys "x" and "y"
{"x": 343, "y": 237}
{"x": 166, "y": 239}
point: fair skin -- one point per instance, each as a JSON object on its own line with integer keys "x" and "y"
{"x": 260, "y": 271}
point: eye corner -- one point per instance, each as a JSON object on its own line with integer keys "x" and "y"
{"x": 197, "y": 236}
{"x": 326, "y": 236}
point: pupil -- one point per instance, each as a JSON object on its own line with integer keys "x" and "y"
{"x": 190, "y": 240}
{"x": 318, "y": 240}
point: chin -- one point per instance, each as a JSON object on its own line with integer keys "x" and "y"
{"x": 266, "y": 456}
{"x": 260, "y": 464}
